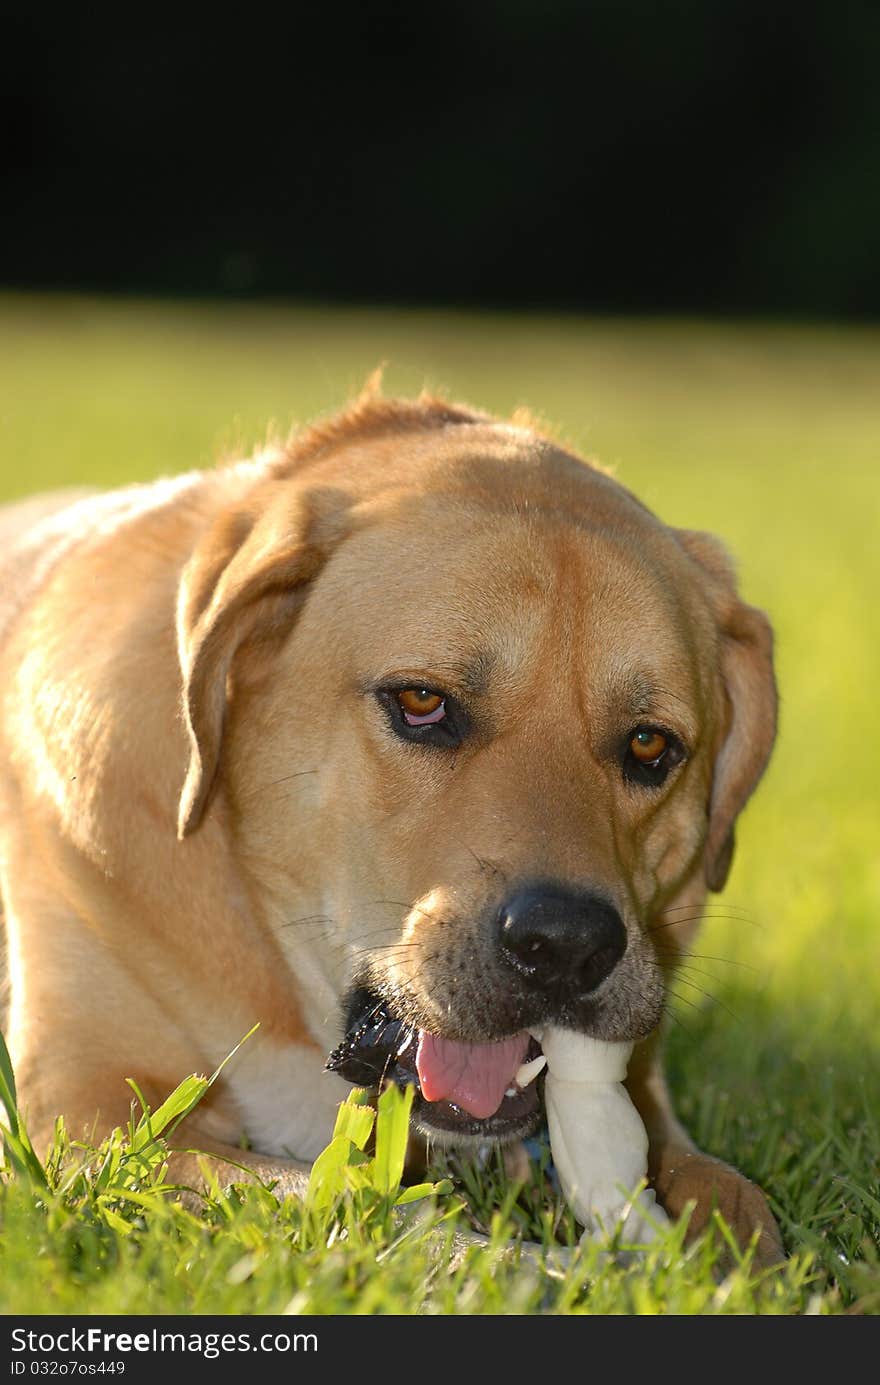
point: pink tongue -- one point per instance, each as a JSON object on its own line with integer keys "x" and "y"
{"x": 474, "y": 1076}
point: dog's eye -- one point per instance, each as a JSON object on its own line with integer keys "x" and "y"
{"x": 648, "y": 745}
{"x": 421, "y": 707}
{"x": 424, "y": 715}
{"x": 650, "y": 754}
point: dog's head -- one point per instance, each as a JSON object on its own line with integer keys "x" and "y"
{"x": 481, "y": 724}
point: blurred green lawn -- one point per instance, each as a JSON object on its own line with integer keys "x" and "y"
{"x": 767, "y": 435}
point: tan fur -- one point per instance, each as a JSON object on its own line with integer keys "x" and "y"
{"x": 207, "y": 823}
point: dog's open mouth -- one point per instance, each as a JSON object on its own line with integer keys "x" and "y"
{"x": 489, "y": 1091}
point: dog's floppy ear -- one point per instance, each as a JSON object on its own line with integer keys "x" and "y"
{"x": 245, "y": 581}
{"x": 746, "y": 658}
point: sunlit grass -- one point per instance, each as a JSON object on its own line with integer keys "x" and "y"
{"x": 768, "y": 436}
{"x": 102, "y": 1229}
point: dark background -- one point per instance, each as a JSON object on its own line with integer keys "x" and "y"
{"x": 609, "y": 155}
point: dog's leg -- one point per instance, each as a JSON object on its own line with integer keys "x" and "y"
{"x": 681, "y": 1173}
{"x": 192, "y": 1167}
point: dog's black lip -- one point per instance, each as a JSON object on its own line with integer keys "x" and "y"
{"x": 379, "y": 1048}
{"x": 445, "y": 1118}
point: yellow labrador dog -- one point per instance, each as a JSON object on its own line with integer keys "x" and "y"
{"x": 401, "y": 740}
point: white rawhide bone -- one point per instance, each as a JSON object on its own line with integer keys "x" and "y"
{"x": 598, "y": 1141}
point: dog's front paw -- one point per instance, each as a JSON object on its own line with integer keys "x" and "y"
{"x": 691, "y": 1176}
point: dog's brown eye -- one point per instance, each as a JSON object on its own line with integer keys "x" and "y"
{"x": 649, "y": 755}
{"x": 424, "y": 716}
{"x": 648, "y": 745}
{"x": 421, "y": 707}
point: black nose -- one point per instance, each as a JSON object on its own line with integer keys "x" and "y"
{"x": 559, "y": 940}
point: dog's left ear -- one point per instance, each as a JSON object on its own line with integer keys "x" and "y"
{"x": 245, "y": 582}
{"x": 746, "y": 666}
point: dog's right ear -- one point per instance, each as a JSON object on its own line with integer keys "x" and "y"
{"x": 746, "y": 669}
{"x": 245, "y": 581}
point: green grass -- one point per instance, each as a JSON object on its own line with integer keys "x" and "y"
{"x": 101, "y": 1229}
{"x": 770, "y": 437}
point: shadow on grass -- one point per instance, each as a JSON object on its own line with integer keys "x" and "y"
{"x": 790, "y": 1095}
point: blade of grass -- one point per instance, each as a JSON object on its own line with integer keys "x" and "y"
{"x": 392, "y": 1134}
{"x": 16, "y": 1142}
